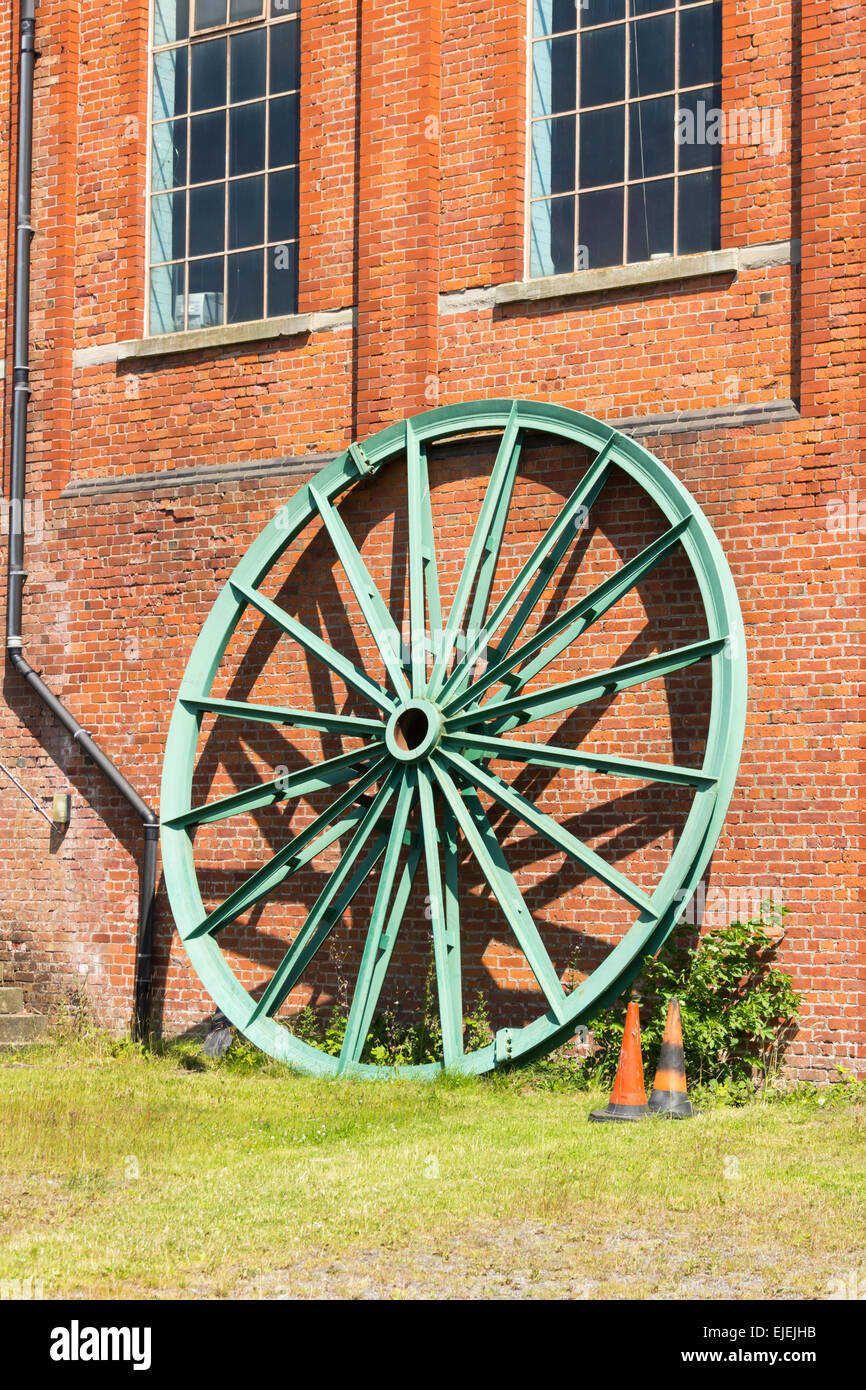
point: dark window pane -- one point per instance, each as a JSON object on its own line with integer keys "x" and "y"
{"x": 247, "y": 138}
{"x": 246, "y": 213}
{"x": 562, "y": 234}
{"x": 207, "y": 147}
{"x": 647, "y": 6}
{"x": 602, "y": 66}
{"x": 600, "y": 11}
{"x": 205, "y": 299}
{"x": 168, "y": 156}
{"x": 652, "y": 55}
{"x": 553, "y": 156}
{"x": 283, "y": 205}
{"x": 208, "y": 74}
{"x": 600, "y": 228}
{"x": 554, "y": 75}
{"x": 181, "y": 133}
{"x": 166, "y": 299}
{"x": 700, "y": 45}
{"x": 698, "y": 128}
{"x": 554, "y": 16}
{"x": 282, "y": 279}
{"x": 207, "y": 211}
{"x": 602, "y": 146}
{"x": 279, "y": 8}
{"x": 285, "y": 58}
{"x": 283, "y": 132}
{"x": 248, "y": 63}
{"x": 699, "y": 212}
{"x": 209, "y": 12}
{"x": 245, "y": 286}
{"x": 651, "y": 138}
{"x": 245, "y": 9}
{"x": 651, "y": 220}
{"x": 169, "y": 83}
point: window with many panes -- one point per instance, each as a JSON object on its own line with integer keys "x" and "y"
{"x": 611, "y": 178}
{"x": 224, "y": 162}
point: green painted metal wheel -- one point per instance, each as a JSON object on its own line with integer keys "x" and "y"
{"x": 420, "y": 779}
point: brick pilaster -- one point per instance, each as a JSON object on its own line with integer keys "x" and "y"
{"x": 832, "y": 163}
{"x": 54, "y": 210}
{"x": 398, "y": 213}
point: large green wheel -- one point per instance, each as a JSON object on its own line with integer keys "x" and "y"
{"x": 419, "y": 779}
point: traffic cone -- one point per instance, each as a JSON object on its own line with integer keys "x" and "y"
{"x": 628, "y": 1097}
{"x": 669, "y": 1087}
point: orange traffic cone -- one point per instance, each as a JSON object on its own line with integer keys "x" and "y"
{"x": 669, "y": 1088}
{"x": 628, "y": 1097}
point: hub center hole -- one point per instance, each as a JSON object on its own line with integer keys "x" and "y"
{"x": 411, "y": 728}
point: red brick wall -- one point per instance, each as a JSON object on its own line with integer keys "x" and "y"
{"x": 328, "y": 158}
{"x": 398, "y": 211}
{"x": 430, "y": 203}
{"x": 483, "y": 153}
{"x": 760, "y": 70}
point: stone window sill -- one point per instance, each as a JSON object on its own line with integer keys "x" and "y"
{"x": 616, "y": 277}
{"x": 619, "y": 276}
{"x": 226, "y": 335}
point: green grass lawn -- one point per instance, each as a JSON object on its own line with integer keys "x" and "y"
{"x": 129, "y": 1175}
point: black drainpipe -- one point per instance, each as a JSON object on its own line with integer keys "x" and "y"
{"x": 16, "y": 573}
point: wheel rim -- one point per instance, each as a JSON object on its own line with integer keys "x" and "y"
{"x": 428, "y": 745}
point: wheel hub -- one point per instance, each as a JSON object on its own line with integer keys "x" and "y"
{"x": 414, "y": 730}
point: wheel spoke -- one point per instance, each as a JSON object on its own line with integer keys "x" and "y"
{"x": 372, "y": 605}
{"x": 424, "y": 600}
{"x": 555, "y": 636}
{"x": 389, "y": 936}
{"x": 381, "y": 935}
{"x": 282, "y": 863}
{"x": 290, "y": 785}
{"x": 472, "y": 820}
{"x": 549, "y": 755}
{"x": 316, "y": 646}
{"x": 346, "y": 724}
{"x": 524, "y": 709}
{"x": 327, "y": 909}
{"x": 318, "y": 926}
{"x": 452, "y": 902}
{"x": 446, "y": 944}
{"x": 493, "y": 544}
{"x": 536, "y": 573}
{"x": 327, "y": 838}
{"x": 551, "y": 830}
{"x": 496, "y": 497}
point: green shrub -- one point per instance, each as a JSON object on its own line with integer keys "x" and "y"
{"x": 737, "y": 1008}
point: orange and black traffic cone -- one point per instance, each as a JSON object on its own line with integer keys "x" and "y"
{"x": 628, "y": 1097}
{"x": 669, "y": 1088}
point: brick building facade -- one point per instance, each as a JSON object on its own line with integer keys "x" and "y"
{"x": 154, "y": 460}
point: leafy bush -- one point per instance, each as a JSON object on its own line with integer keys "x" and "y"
{"x": 737, "y": 1008}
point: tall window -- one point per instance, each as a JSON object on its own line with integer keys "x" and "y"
{"x": 224, "y": 162}
{"x": 612, "y": 179}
